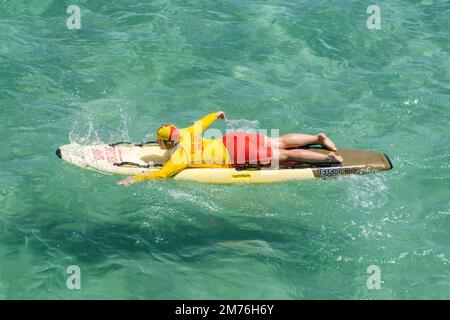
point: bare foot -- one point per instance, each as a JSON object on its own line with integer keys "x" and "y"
{"x": 326, "y": 142}
{"x": 335, "y": 158}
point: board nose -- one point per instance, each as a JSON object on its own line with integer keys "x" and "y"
{"x": 58, "y": 153}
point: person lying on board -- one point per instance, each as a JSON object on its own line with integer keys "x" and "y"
{"x": 188, "y": 149}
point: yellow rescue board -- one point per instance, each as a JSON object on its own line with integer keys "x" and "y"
{"x": 130, "y": 159}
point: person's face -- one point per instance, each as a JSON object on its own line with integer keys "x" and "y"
{"x": 161, "y": 144}
{"x": 165, "y": 145}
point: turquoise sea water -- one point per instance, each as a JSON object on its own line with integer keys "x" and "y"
{"x": 297, "y": 66}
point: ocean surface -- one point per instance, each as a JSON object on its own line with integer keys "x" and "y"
{"x": 297, "y": 66}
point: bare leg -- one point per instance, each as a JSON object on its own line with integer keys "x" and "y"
{"x": 326, "y": 142}
{"x": 302, "y": 155}
{"x": 295, "y": 140}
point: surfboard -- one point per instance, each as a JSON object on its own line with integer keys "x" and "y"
{"x": 124, "y": 158}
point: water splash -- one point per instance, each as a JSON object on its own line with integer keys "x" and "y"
{"x": 83, "y": 132}
{"x": 243, "y": 125}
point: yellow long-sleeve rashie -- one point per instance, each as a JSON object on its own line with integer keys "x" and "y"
{"x": 193, "y": 151}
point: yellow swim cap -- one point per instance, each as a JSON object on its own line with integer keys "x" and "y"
{"x": 167, "y": 132}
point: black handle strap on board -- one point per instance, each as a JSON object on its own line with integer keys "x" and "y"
{"x": 137, "y": 144}
{"x": 145, "y": 143}
{"x": 247, "y": 167}
{"x": 131, "y": 164}
{"x": 289, "y": 166}
{"x": 137, "y": 165}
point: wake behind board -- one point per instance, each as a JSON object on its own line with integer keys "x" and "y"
{"x": 130, "y": 159}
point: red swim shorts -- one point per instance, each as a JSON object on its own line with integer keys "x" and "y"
{"x": 247, "y": 148}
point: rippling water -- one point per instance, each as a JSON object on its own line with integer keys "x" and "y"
{"x": 305, "y": 66}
